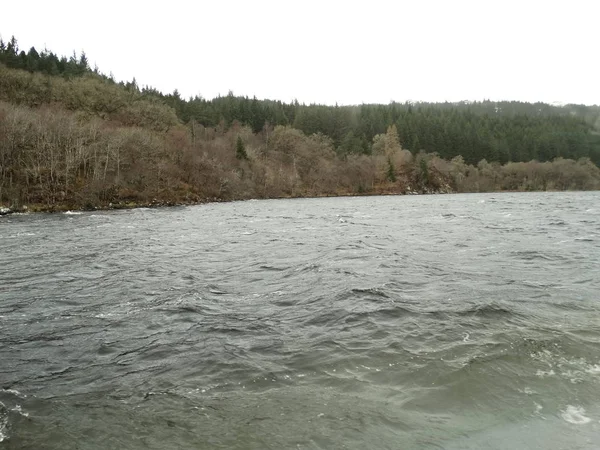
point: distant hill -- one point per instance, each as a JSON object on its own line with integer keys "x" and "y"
{"x": 71, "y": 136}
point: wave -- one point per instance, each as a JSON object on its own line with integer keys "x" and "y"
{"x": 398, "y": 315}
{"x": 370, "y": 292}
{"x": 273, "y": 268}
{"x": 341, "y": 316}
{"x": 585, "y": 239}
{"x": 491, "y": 310}
{"x": 13, "y": 392}
{"x": 530, "y": 255}
{"x": 575, "y": 415}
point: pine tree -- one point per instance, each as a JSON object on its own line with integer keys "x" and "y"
{"x": 11, "y": 53}
{"x": 415, "y": 144}
{"x": 33, "y": 59}
{"x": 424, "y": 171}
{"x": 391, "y": 172}
{"x": 2, "y": 49}
{"x": 83, "y": 63}
{"x": 240, "y": 149}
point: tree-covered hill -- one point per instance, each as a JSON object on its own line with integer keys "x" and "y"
{"x": 72, "y": 136}
{"x": 495, "y": 131}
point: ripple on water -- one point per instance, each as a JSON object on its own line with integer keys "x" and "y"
{"x": 428, "y": 321}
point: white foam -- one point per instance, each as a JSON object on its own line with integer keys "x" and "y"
{"x": 73, "y": 213}
{"x": 593, "y": 369}
{"x": 14, "y": 392}
{"x": 575, "y": 415}
{"x": 538, "y": 408}
{"x": 528, "y": 391}
{"x": 20, "y": 411}
{"x": 545, "y": 373}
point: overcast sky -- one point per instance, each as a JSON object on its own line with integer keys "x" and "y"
{"x": 330, "y": 51}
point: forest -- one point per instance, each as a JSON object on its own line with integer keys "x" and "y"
{"x": 73, "y": 137}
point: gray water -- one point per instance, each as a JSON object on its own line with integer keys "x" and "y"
{"x": 429, "y": 322}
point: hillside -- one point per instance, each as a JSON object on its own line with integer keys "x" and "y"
{"x": 71, "y": 137}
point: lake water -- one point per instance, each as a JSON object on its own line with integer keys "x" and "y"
{"x": 400, "y": 322}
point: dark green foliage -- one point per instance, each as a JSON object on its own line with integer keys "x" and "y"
{"x": 352, "y": 144}
{"x": 391, "y": 172}
{"x": 494, "y": 131}
{"x": 45, "y": 62}
{"x": 423, "y": 171}
{"x": 240, "y": 149}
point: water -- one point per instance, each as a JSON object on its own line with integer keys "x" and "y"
{"x": 430, "y": 322}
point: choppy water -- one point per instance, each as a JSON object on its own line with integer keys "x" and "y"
{"x": 433, "y": 322}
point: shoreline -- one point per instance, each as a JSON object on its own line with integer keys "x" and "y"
{"x": 63, "y": 207}
{"x": 111, "y": 206}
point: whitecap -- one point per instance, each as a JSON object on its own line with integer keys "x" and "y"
{"x": 528, "y": 391}
{"x": 20, "y": 411}
{"x": 73, "y": 213}
{"x": 593, "y": 369}
{"x": 575, "y": 415}
{"x": 574, "y": 376}
{"x": 545, "y": 373}
{"x": 14, "y": 392}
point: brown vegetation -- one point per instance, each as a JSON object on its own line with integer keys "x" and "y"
{"x": 87, "y": 143}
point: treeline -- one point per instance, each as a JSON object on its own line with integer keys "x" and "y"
{"x": 73, "y": 137}
{"x": 52, "y": 158}
{"x": 495, "y": 131}
{"x": 45, "y": 61}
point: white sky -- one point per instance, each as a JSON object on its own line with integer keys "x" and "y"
{"x": 330, "y": 51}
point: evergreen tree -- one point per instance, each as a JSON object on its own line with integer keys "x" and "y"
{"x": 33, "y": 59}
{"x": 391, "y": 172}
{"x": 83, "y": 63}
{"x": 240, "y": 149}
{"x": 424, "y": 171}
